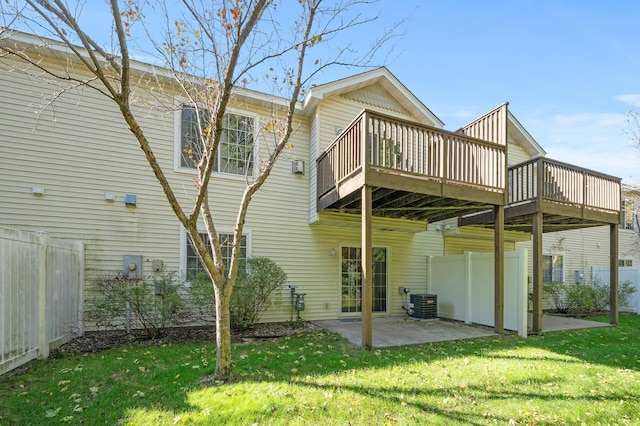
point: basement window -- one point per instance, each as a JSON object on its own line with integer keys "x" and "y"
{"x": 553, "y": 268}
{"x": 194, "y": 266}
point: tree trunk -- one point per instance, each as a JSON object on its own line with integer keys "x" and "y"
{"x": 223, "y": 334}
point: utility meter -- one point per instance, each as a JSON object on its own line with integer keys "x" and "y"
{"x": 132, "y": 266}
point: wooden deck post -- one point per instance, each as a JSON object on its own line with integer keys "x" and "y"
{"x": 499, "y": 269}
{"x": 537, "y": 272}
{"x": 613, "y": 271}
{"x": 367, "y": 269}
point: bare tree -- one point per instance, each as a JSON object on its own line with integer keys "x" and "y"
{"x": 203, "y": 51}
{"x": 633, "y": 128}
{"x": 631, "y": 193}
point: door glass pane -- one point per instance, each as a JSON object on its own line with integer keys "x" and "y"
{"x": 379, "y": 279}
{"x": 351, "y": 280}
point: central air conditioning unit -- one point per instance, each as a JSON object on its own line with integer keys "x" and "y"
{"x": 425, "y": 306}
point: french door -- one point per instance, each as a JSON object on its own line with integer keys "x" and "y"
{"x": 351, "y": 279}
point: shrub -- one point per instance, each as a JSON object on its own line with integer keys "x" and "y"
{"x": 587, "y": 300}
{"x": 253, "y": 292}
{"x": 558, "y": 294}
{"x": 583, "y": 299}
{"x": 150, "y": 304}
{"x": 625, "y": 290}
{"x": 252, "y": 295}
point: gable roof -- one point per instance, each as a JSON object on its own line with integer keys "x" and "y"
{"x": 380, "y": 76}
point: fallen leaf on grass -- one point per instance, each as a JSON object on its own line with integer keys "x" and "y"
{"x": 52, "y": 413}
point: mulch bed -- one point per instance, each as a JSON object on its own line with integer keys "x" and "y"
{"x": 102, "y": 340}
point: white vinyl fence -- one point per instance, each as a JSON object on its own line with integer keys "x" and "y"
{"x": 626, "y": 273}
{"x": 464, "y": 285}
{"x": 41, "y": 287}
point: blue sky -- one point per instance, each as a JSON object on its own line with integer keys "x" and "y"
{"x": 569, "y": 70}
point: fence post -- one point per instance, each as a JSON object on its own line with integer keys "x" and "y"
{"x": 79, "y": 251}
{"x": 43, "y": 350}
{"x": 613, "y": 272}
{"x": 468, "y": 313}
{"x": 523, "y": 292}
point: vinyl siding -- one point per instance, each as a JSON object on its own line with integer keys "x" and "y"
{"x": 304, "y": 252}
{"x": 582, "y": 249}
{"x": 628, "y": 243}
{"x": 516, "y": 153}
{"x": 474, "y": 244}
{"x": 80, "y": 148}
{"x": 318, "y": 274}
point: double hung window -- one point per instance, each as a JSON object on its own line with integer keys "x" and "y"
{"x": 194, "y": 266}
{"x": 629, "y": 215}
{"x": 236, "y": 150}
{"x": 552, "y": 268}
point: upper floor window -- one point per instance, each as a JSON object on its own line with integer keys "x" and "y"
{"x": 629, "y": 215}
{"x": 236, "y": 149}
{"x": 552, "y": 268}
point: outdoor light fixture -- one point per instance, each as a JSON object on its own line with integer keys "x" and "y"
{"x": 332, "y": 253}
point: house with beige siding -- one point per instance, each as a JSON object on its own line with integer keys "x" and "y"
{"x": 372, "y": 182}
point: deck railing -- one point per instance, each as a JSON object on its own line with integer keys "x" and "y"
{"x": 549, "y": 180}
{"x": 490, "y": 127}
{"x": 413, "y": 150}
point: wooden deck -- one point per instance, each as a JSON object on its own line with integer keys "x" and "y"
{"x": 568, "y": 196}
{"x": 382, "y": 166}
{"x": 415, "y": 171}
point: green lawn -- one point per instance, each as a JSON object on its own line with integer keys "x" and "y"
{"x": 577, "y": 377}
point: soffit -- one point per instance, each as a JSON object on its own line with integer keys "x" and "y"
{"x": 522, "y": 137}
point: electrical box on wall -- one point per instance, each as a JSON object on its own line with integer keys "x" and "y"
{"x": 297, "y": 167}
{"x": 132, "y": 266}
{"x": 157, "y": 265}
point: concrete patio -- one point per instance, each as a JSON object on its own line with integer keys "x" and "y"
{"x": 400, "y": 331}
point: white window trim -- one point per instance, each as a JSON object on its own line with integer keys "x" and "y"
{"x": 223, "y": 230}
{"x": 177, "y": 145}
{"x": 339, "y": 277}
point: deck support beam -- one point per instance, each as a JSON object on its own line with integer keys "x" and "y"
{"x": 498, "y": 212}
{"x": 537, "y": 272}
{"x": 367, "y": 268}
{"x": 613, "y": 271}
